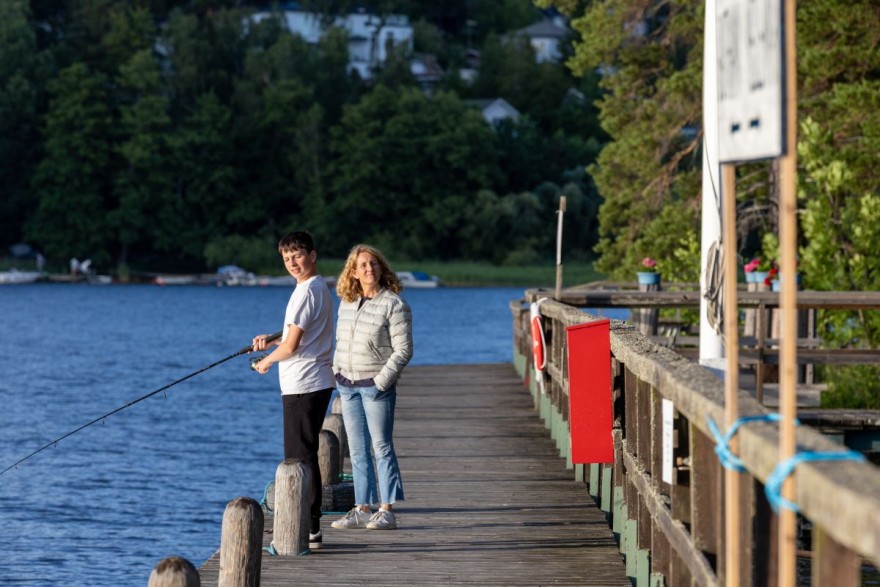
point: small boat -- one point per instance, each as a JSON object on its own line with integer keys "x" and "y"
{"x": 233, "y": 275}
{"x": 176, "y": 279}
{"x": 15, "y": 276}
{"x": 417, "y": 279}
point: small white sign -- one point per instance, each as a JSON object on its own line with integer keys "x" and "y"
{"x": 668, "y": 412}
{"x": 750, "y": 79}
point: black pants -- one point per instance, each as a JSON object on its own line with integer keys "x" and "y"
{"x": 303, "y": 419}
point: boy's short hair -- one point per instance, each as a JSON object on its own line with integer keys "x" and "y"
{"x": 298, "y": 240}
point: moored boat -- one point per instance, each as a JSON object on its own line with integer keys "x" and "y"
{"x": 417, "y": 279}
{"x": 14, "y": 276}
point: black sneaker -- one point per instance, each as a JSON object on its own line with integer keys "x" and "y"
{"x": 316, "y": 540}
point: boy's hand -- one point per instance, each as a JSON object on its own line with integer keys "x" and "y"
{"x": 259, "y": 342}
{"x": 263, "y": 366}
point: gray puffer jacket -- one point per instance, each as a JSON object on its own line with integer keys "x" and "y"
{"x": 374, "y": 341}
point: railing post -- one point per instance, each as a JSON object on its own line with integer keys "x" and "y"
{"x": 647, "y": 317}
{"x": 833, "y": 564}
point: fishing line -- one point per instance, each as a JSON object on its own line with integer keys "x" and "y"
{"x": 243, "y": 351}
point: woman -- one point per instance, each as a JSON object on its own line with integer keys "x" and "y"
{"x": 373, "y": 345}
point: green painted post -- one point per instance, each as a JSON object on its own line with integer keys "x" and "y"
{"x": 569, "y": 464}
{"x": 546, "y": 409}
{"x": 619, "y": 515}
{"x": 594, "y": 479}
{"x": 607, "y": 491}
{"x": 658, "y": 580}
{"x": 630, "y": 530}
{"x": 643, "y": 567}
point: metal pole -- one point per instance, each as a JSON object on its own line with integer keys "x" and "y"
{"x": 711, "y": 339}
{"x": 559, "y": 247}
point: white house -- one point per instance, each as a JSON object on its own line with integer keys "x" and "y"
{"x": 494, "y": 110}
{"x": 370, "y": 37}
{"x": 546, "y": 37}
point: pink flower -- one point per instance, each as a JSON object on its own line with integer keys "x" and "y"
{"x": 752, "y": 265}
{"x": 650, "y": 264}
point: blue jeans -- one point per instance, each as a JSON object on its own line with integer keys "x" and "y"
{"x": 369, "y": 421}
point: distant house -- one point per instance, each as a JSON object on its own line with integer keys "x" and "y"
{"x": 427, "y": 72}
{"x": 370, "y": 37}
{"x": 494, "y": 110}
{"x": 471, "y": 68}
{"x": 546, "y": 38}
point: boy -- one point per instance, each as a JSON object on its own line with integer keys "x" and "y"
{"x": 304, "y": 356}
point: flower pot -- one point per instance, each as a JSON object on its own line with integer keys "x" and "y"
{"x": 758, "y": 276}
{"x": 776, "y": 284}
{"x": 648, "y": 277}
{"x": 752, "y": 276}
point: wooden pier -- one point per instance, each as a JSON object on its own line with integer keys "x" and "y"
{"x": 489, "y": 499}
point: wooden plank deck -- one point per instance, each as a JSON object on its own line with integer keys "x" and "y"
{"x": 489, "y": 501}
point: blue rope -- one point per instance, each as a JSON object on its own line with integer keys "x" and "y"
{"x": 783, "y": 470}
{"x": 264, "y": 503}
{"x": 272, "y": 552}
{"x": 722, "y": 442}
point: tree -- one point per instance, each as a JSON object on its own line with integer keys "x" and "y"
{"x": 205, "y": 54}
{"x": 72, "y": 182}
{"x": 650, "y": 55}
{"x": 401, "y": 156}
{"x": 145, "y": 184}
{"x": 206, "y": 202}
{"x": 23, "y": 72}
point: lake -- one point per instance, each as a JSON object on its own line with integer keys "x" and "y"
{"x": 105, "y": 505}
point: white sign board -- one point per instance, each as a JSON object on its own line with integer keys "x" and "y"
{"x": 668, "y": 412}
{"x": 750, "y": 79}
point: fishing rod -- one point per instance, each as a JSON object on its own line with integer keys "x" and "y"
{"x": 244, "y": 351}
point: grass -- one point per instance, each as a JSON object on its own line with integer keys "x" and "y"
{"x": 466, "y": 273}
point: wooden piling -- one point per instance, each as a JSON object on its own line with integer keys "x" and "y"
{"x": 646, "y": 318}
{"x": 241, "y": 544}
{"x": 334, "y": 423}
{"x": 292, "y": 508}
{"x": 329, "y": 457}
{"x": 174, "y": 571}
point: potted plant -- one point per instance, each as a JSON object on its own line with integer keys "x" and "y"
{"x": 649, "y": 275}
{"x": 758, "y": 269}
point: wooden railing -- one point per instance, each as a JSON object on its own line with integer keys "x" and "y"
{"x": 758, "y": 338}
{"x": 672, "y": 533}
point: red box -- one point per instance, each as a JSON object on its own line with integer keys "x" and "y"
{"x": 589, "y": 392}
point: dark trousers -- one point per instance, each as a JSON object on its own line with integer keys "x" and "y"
{"x": 303, "y": 419}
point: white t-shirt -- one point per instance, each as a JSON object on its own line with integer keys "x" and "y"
{"x": 309, "y": 369}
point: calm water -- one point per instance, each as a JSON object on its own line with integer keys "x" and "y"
{"x": 104, "y": 506}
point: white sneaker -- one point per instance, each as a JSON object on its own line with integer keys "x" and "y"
{"x": 355, "y": 518}
{"x": 316, "y": 541}
{"x": 382, "y": 520}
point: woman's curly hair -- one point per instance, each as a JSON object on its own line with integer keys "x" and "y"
{"x": 349, "y": 288}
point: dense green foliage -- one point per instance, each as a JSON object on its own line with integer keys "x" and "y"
{"x": 179, "y": 135}
{"x": 648, "y": 173}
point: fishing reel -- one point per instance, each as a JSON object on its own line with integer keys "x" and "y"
{"x": 257, "y": 359}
